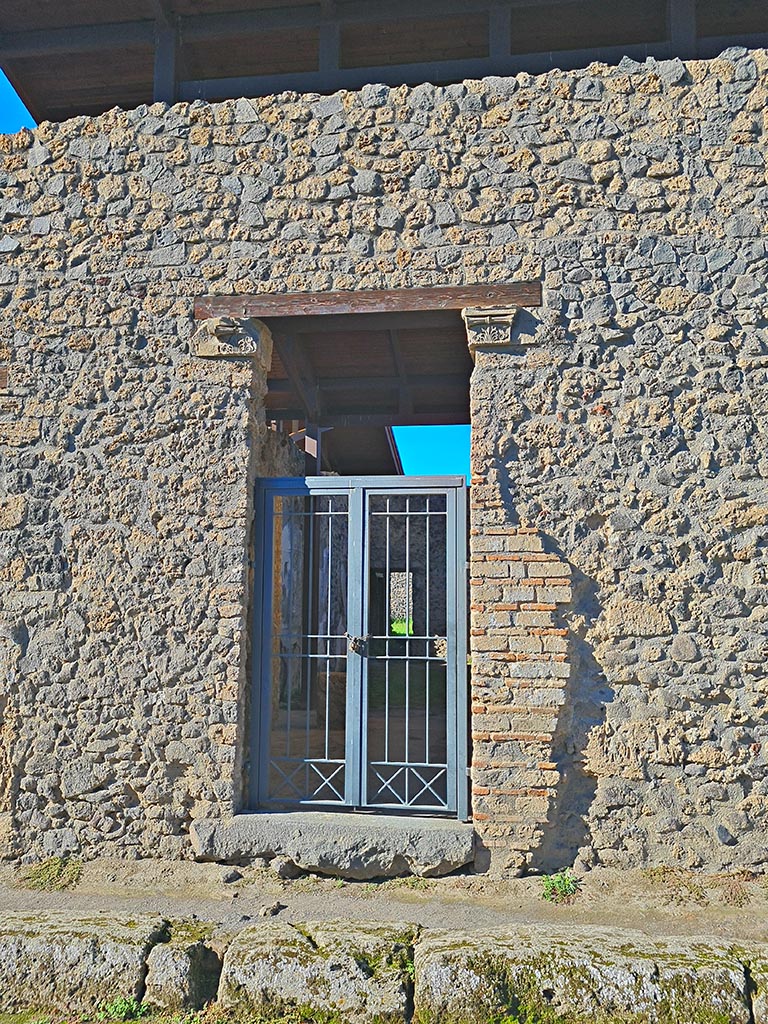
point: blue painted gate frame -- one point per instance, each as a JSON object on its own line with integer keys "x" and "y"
{"x": 359, "y": 490}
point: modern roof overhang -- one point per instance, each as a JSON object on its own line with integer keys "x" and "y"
{"x": 355, "y": 364}
{"x": 85, "y": 56}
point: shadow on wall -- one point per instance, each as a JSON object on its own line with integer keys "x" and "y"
{"x": 587, "y": 695}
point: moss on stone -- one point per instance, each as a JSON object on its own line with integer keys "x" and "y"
{"x": 33, "y": 1016}
{"x": 52, "y": 874}
{"x": 513, "y": 994}
{"x": 186, "y": 932}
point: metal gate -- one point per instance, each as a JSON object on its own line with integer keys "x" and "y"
{"x": 360, "y": 644}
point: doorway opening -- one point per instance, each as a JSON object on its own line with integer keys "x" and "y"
{"x": 360, "y": 626}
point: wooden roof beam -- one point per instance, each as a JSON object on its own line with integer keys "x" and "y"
{"x": 352, "y": 323}
{"x": 300, "y": 374}
{"x": 404, "y": 389}
{"x": 281, "y": 386}
{"x": 78, "y": 39}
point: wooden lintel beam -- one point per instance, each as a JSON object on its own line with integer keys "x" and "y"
{"x": 393, "y": 419}
{"x": 358, "y": 416}
{"x": 521, "y": 293}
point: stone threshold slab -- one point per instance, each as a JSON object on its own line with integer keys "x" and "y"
{"x": 353, "y": 846}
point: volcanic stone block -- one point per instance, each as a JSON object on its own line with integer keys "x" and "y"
{"x": 357, "y": 972}
{"x": 580, "y": 975}
{"x": 184, "y": 972}
{"x": 52, "y": 963}
{"x": 339, "y": 844}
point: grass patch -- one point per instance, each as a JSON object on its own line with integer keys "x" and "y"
{"x": 412, "y": 882}
{"x": 52, "y": 874}
{"x": 733, "y": 888}
{"x": 24, "y": 1017}
{"x": 680, "y": 886}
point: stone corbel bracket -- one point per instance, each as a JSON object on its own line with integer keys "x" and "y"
{"x": 490, "y": 329}
{"x": 226, "y": 338}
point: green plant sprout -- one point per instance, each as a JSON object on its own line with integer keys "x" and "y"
{"x": 122, "y": 1008}
{"x": 561, "y": 887}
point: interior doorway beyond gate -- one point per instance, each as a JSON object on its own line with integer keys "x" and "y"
{"x": 360, "y": 674}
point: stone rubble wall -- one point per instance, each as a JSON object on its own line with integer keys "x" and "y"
{"x": 375, "y": 973}
{"x": 618, "y": 444}
{"x": 620, "y": 505}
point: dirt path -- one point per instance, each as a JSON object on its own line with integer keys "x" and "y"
{"x": 656, "y": 903}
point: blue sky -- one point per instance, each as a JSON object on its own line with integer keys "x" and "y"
{"x": 13, "y": 113}
{"x": 425, "y": 451}
{"x": 434, "y": 451}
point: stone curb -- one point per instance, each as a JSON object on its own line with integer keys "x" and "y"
{"x": 372, "y": 974}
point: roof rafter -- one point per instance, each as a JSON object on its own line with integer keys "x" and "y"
{"x": 300, "y": 374}
{"x": 404, "y": 390}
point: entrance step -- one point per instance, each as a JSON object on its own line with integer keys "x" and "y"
{"x": 354, "y": 846}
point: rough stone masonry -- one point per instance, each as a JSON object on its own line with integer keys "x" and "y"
{"x": 619, "y": 501}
